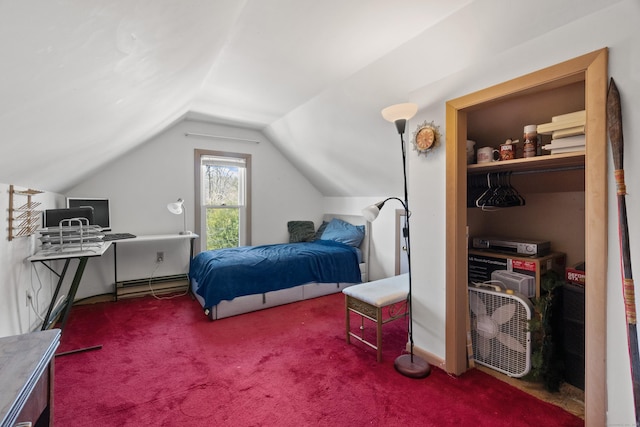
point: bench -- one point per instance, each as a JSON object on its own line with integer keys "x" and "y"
{"x": 369, "y": 299}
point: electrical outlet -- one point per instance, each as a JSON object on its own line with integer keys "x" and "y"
{"x": 159, "y": 257}
{"x": 29, "y": 296}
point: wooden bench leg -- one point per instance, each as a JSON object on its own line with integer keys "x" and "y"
{"x": 373, "y": 314}
{"x": 348, "y": 319}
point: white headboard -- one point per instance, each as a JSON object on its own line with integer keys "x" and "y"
{"x": 356, "y": 220}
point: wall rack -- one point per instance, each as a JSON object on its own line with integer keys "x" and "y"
{"x": 27, "y": 218}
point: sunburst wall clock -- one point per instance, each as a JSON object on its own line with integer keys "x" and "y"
{"x": 426, "y": 137}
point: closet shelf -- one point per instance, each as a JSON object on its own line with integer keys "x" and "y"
{"x": 555, "y": 161}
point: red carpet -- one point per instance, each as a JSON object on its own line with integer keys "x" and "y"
{"x": 164, "y": 364}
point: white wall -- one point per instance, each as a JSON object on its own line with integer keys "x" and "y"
{"x": 139, "y": 195}
{"x": 141, "y": 184}
{"x": 615, "y": 28}
{"x": 18, "y": 275}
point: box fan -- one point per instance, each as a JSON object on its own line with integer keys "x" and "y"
{"x": 500, "y": 330}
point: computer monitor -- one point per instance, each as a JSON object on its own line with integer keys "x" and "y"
{"x": 52, "y": 217}
{"x": 101, "y": 209}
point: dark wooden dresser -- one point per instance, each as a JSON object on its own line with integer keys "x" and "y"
{"x": 26, "y": 378}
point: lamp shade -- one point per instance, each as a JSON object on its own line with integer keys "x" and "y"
{"x": 176, "y": 207}
{"x": 400, "y": 112}
{"x": 370, "y": 213}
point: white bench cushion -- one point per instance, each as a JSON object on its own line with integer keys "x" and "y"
{"x": 381, "y": 293}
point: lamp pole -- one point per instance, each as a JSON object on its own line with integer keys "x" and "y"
{"x": 407, "y": 364}
{"x": 184, "y": 219}
{"x": 405, "y": 231}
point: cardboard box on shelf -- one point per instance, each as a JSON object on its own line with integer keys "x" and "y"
{"x": 482, "y": 263}
{"x": 575, "y": 274}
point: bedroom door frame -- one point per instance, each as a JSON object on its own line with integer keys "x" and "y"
{"x": 400, "y": 247}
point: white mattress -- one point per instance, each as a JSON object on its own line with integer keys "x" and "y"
{"x": 249, "y": 303}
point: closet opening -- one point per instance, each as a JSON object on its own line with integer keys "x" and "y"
{"x": 566, "y": 198}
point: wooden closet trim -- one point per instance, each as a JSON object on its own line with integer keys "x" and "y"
{"x": 592, "y": 69}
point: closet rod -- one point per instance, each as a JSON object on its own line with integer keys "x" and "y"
{"x": 205, "y": 135}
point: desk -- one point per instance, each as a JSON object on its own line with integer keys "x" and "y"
{"x": 82, "y": 257}
{"x": 26, "y": 375}
{"x": 147, "y": 239}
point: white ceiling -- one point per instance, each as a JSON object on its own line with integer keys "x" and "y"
{"x": 282, "y": 53}
{"x": 83, "y": 82}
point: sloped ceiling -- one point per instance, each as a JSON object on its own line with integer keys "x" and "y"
{"x": 83, "y": 82}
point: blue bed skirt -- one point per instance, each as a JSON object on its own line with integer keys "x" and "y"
{"x": 225, "y": 274}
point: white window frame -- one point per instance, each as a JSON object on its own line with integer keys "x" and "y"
{"x": 245, "y": 211}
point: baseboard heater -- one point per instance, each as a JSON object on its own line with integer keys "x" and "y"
{"x": 157, "y": 285}
{"x": 152, "y": 280}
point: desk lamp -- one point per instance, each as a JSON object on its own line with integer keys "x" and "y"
{"x": 408, "y": 365}
{"x": 178, "y": 208}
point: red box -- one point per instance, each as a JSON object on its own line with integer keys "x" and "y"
{"x": 576, "y": 275}
{"x": 482, "y": 263}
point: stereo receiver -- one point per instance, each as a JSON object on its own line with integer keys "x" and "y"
{"x": 512, "y": 246}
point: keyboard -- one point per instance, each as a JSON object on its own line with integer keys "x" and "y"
{"x": 117, "y": 236}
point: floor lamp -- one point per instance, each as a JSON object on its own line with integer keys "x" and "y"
{"x": 408, "y": 365}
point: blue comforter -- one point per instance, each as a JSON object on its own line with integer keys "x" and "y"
{"x": 228, "y": 273}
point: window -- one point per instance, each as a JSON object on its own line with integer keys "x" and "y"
{"x": 223, "y": 196}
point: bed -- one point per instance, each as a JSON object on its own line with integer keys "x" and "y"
{"x": 233, "y": 281}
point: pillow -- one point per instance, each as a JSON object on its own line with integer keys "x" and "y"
{"x": 343, "y": 232}
{"x": 321, "y": 229}
{"x": 301, "y": 231}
